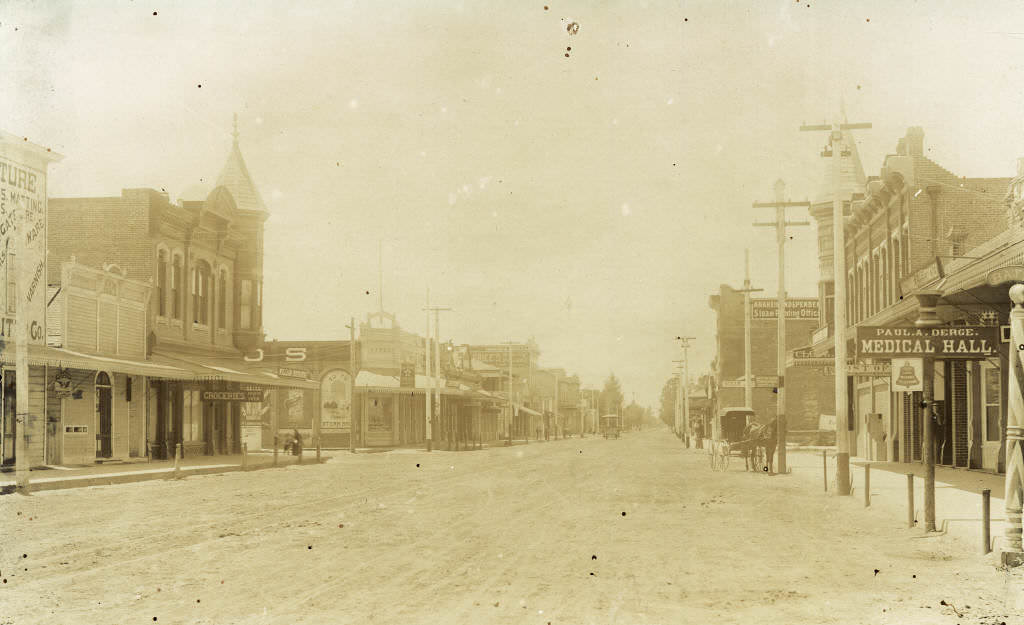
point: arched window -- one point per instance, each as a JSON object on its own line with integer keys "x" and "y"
{"x": 176, "y": 294}
{"x": 245, "y": 304}
{"x": 222, "y": 300}
{"x": 201, "y": 293}
{"x": 161, "y": 283}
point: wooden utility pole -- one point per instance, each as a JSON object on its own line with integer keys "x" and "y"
{"x": 426, "y": 390}
{"x": 748, "y": 378}
{"x": 436, "y": 380}
{"x": 511, "y": 412}
{"x": 354, "y": 368}
{"x": 780, "y": 224}
{"x": 685, "y": 344}
{"x": 839, "y": 276}
{"x": 927, "y": 318}
{"x": 678, "y": 416}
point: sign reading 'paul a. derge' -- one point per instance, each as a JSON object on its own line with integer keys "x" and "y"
{"x": 965, "y": 342}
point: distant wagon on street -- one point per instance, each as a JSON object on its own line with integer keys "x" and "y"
{"x": 611, "y": 425}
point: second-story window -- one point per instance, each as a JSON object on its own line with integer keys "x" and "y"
{"x": 176, "y": 293}
{"x": 245, "y": 304}
{"x": 161, "y": 284}
{"x": 222, "y": 300}
{"x": 201, "y": 293}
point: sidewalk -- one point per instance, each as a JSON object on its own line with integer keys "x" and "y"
{"x": 958, "y": 500}
{"x": 55, "y": 478}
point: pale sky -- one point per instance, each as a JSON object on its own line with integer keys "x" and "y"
{"x": 593, "y": 202}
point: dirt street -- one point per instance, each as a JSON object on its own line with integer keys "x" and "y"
{"x": 630, "y": 531}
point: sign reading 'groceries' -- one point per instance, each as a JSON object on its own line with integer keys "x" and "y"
{"x": 966, "y": 342}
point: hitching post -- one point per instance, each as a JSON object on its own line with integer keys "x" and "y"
{"x": 824, "y": 466}
{"x": 986, "y": 521}
{"x": 910, "y": 500}
{"x": 867, "y": 485}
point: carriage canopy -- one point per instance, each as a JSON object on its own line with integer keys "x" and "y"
{"x": 732, "y": 421}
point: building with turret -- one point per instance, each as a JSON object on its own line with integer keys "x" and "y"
{"x": 203, "y": 321}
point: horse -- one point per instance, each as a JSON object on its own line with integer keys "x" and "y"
{"x": 767, "y": 437}
{"x": 748, "y": 444}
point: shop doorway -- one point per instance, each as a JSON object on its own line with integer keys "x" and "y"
{"x": 104, "y": 422}
{"x": 991, "y": 411}
{"x": 9, "y": 416}
{"x": 219, "y": 437}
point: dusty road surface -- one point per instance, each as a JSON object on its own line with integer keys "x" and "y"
{"x": 631, "y": 531}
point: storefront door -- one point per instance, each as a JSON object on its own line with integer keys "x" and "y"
{"x": 104, "y": 423}
{"x": 991, "y": 410}
{"x": 9, "y": 398}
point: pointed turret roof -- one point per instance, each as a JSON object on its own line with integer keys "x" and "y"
{"x": 235, "y": 176}
{"x": 851, "y": 176}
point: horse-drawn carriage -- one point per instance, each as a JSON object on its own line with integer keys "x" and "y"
{"x": 735, "y": 432}
{"x": 611, "y": 425}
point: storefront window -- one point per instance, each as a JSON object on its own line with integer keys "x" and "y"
{"x": 378, "y": 414}
{"x": 192, "y": 415}
{"x": 992, "y": 403}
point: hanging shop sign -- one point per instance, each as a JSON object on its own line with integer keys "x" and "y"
{"x": 407, "y": 375}
{"x": 760, "y": 381}
{"x": 233, "y": 396}
{"x": 868, "y": 370}
{"x": 289, "y": 372}
{"x": 923, "y": 277}
{"x": 803, "y": 308}
{"x": 957, "y": 342}
{"x": 907, "y": 375}
{"x": 62, "y": 384}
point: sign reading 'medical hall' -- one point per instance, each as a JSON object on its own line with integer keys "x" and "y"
{"x": 965, "y": 342}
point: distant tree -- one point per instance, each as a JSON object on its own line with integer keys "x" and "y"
{"x": 668, "y": 401}
{"x": 610, "y": 398}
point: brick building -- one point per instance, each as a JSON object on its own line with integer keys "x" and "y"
{"x": 808, "y": 391}
{"x": 204, "y": 260}
{"x": 912, "y": 232}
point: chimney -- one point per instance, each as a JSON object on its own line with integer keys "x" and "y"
{"x": 915, "y": 141}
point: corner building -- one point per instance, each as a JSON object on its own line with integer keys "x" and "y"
{"x": 204, "y": 260}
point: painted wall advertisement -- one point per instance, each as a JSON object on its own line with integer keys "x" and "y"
{"x": 803, "y": 308}
{"x": 23, "y": 211}
{"x": 336, "y": 402}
